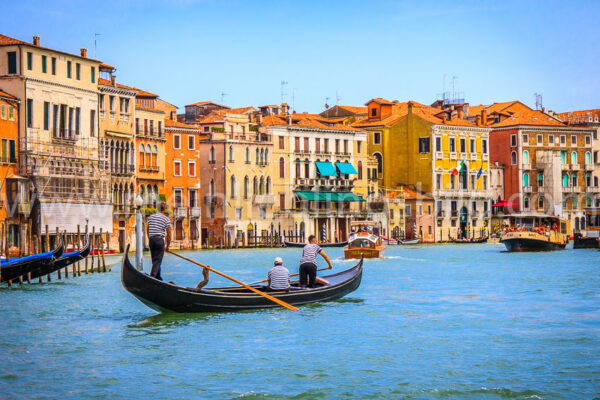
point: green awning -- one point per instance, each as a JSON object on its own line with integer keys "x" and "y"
{"x": 330, "y": 196}
{"x": 326, "y": 169}
{"x": 346, "y": 168}
{"x": 310, "y": 196}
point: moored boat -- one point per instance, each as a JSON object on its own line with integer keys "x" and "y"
{"x": 535, "y": 232}
{"x": 463, "y": 241}
{"x": 590, "y": 239}
{"x": 364, "y": 244}
{"x": 164, "y": 297}
{"x": 296, "y": 244}
{"x": 411, "y": 241}
{"x": 63, "y": 261}
{"x": 16, "y": 267}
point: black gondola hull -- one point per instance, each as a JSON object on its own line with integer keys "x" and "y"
{"x": 484, "y": 240}
{"x": 296, "y": 244}
{"x": 162, "y": 296}
{"x": 13, "y": 271}
{"x": 62, "y": 262}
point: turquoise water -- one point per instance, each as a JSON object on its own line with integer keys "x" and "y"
{"x": 428, "y": 322}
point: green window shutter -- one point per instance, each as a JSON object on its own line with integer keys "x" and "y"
{"x": 46, "y": 116}
{"x": 29, "y": 61}
{"x": 13, "y": 151}
{"x": 12, "y": 62}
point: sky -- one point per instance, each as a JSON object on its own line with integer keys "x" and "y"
{"x": 347, "y": 52}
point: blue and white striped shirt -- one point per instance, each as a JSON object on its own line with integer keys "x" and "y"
{"x": 280, "y": 277}
{"x": 158, "y": 224}
{"x": 309, "y": 253}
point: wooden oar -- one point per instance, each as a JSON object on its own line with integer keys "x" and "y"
{"x": 296, "y": 274}
{"x": 273, "y": 299}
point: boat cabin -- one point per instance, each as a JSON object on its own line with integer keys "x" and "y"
{"x": 531, "y": 222}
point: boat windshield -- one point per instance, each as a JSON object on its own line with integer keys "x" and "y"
{"x": 361, "y": 243}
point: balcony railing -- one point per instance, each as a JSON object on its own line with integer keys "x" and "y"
{"x": 180, "y": 212}
{"x": 123, "y": 170}
{"x": 575, "y": 167}
{"x": 527, "y": 189}
{"x": 264, "y": 200}
{"x": 526, "y": 165}
{"x": 194, "y": 212}
{"x": 568, "y": 189}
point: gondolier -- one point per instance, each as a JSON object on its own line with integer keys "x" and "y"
{"x": 308, "y": 262}
{"x": 158, "y": 229}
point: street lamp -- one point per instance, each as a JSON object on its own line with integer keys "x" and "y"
{"x": 139, "y": 233}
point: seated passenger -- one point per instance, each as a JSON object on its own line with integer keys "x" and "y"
{"x": 278, "y": 276}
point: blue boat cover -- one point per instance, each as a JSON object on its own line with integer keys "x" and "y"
{"x": 39, "y": 256}
{"x": 326, "y": 168}
{"x": 346, "y": 168}
{"x": 71, "y": 254}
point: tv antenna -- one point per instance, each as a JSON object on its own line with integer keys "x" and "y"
{"x": 96, "y": 34}
{"x": 283, "y": 94}
{"x": 293, "y": 100}
{"x": 223, "y": 96}
{"x": 538, "y": 101}
{"x": 326, "y": 102}
{"x": 337, "y": 98}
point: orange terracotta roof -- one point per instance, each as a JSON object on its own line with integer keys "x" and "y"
{"x": 476, "y": 110}
{"x": 106, "y": 67}
{"x": 175, "y": 124}
{"x": 313, "y": 121}
{"x": 9, "y": 41}
{"x": 379, "y": 100}
{"x": 143, "y": 93}
{"x": 106, "y": 82}
{"x": 580, "y": 115}
{"x": 534, "y": 117}
{"x": 202, "y": 103}
{"x": 355, "y": 109}
{"x": 9, "y": 96}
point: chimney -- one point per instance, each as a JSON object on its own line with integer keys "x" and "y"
{"x": 459, "y": 111}
{"x": 113, "y": 79}
{"x": 259, "y": 119}
{"x": 288, "y": 119}
{"x": 544, "y": 110}
{"x": 444, "y": 119}
{"x": 36, "y": 41}
{"x": 484, "y": 117}
{"x": 83, "y": 52}
{"x": 478, "y": 120}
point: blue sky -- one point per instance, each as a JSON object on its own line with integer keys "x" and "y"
{"x": 189, "y": 51}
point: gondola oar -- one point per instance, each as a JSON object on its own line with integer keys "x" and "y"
{"x": 273, "y": 299}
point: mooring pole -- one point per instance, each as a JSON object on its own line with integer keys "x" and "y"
{"x": 139, "y": 234}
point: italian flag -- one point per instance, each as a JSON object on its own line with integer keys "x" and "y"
{"x": 460, "y": 168}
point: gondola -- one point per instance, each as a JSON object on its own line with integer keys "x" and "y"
{"x": 469, "y": 241}
{"x": 167, "y": 297}
{"x": 13, "y": 269}
{"x": 63, "y": 261}
{"x": 296, "y": 244}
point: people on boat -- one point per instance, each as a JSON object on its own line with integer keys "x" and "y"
{"x": 158, "y": 230}
{"x": 278, "y": 277}
{"x": 308, "y": 262}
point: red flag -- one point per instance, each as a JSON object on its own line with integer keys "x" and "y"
{"x": 454, "y": 171}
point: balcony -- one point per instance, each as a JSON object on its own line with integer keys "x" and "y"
{"x": 441, "y": 214}
{"x": 485, "y": 157}
{"x": 473, "y": 156}
{"x": 123, "y": 209}
{"x": 464, "y": 156}
{"x": 453, "y": 156}
{"x": 439, "y": 155}
{"x": 527, "y": 189}
{"x": 593, "y": 189}
{"x": 122, "y": 170}
{"x": 180, "y": 212}
{"x": 194, "y": 212}
{"x": 264, "y": 200}
{"x": 565, "y": 167}
{"x": 526, "y": 165}
{"x": 454, "y": 213}
{"x": 210, "y": 200}
{"x": 302, "y": 182}
{"x": 575, "y": 167}
{"x": 376, "y": 205}
{"x": 568, "y": 189}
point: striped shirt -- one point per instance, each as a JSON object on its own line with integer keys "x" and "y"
{"x": 280, "y": 277}
{"x": 158, "y": 224}
{"x": 309, "y": 253}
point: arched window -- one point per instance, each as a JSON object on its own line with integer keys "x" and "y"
{"x": 563, "y": 157}
{"x": 211, "y": 154}
{"x": 379, "y": 158}
{"x": 574, "y": 201}
{"x": 142, "y": 192}
{"x": 540, "y": 179}
{"x": 513, "y": 158}
{"x": 262, "y": 185}
{"x": 565, "y": 180}
{"x": 255, "y": 186}
{"x": 257, "y": 156}
{"x": 233, "y": 187}
{"x": 541, "y": 202}
{"x": 156, "y": 197}
{"x": 574, "y": 179}
{"x": 246, "y": 186}
{"x": 262, "y": 156}
{"x": 266, "y": 156}
{"x": 525, "y": 157}
{"x": 142, "y": 156}
{"x": 526, "y": 203}
{"x": 574, "y": 157}
{"x": 230, "y": 153}
{"x": 298, "y": 175}
{"x": 247, "y": 155}
{"x": 588, "y": 180}
{"x": 268, "y": 185}
{"x": 281, "y": 167}
{"x": 588, "y": 158}
{"x": 526, "y": 179}
{"x": 588, "y": 202}
{"x": 155, "y": 156}
{"x": 149, "y": 195}
{"x": 359, "y": 170}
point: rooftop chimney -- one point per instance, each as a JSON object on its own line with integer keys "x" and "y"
{"x": 544, "y": 109}
{"x": 288, "y": 119}
{"x": 83, "y": 52}
{"x": 36, "y": 41}
{"x": 478, "y": 120}
{"x": 484, "y": 117}
{"x": 113, "y": 79}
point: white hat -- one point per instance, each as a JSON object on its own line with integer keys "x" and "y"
{"x": 277, "y": 260}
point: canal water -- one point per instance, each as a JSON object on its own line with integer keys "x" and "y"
{"x": 428, "y": 322}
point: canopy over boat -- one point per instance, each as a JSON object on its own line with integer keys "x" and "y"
{"x": 164, "y": 297}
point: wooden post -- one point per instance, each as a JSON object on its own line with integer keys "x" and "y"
{"x": 86, "y": 259}
{"x": 93, "y": 245}
{"x": 57, "y": 240}
{"x": 66, "y": 241}
{"x": 78, "y": 247}
{"x": 103, "y": 259}
{"x": 6, "y": 244}
{"x": 40, "y": 250}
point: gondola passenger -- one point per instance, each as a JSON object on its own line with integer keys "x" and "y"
{"x": 278, "y": 276}
{"x": 308, "y": 262}
{"x": 158, "y": 229}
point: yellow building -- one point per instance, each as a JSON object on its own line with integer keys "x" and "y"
{"x": 433, "y": 151}
{"x": 59, "y": 149}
